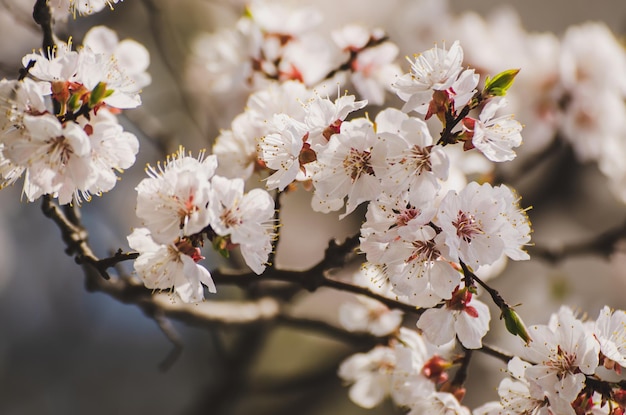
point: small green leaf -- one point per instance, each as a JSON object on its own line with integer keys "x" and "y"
{"x": 221, "y": 245}
{"x": 499, "y": 84}
{"x": 99, "y": 93}
{"x": 74, "y": 102}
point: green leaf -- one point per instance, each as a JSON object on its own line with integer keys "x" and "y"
{"x": 99, "y": 93}
{"x": 499, "y": 84}
{"x": 221, "y": 244}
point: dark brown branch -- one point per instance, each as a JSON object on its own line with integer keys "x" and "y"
{"x": 74, "y": 236}
{"x": 461, "y": 374}
{"x": 495, "y": 295}
{"x": 354, "y": 54}
{"x": 364, "y": 341}
{"x": 311, "y": 280}
{"x": 493, "y": 351}
{"x": 602, "y": 245}
{"x": 43, "y": 17}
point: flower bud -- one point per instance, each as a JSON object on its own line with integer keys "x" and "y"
{"x": 514, "y": 323}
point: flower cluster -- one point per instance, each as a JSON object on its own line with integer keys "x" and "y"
{"x": 571, "y": 367}
{"x": 431, "y": 229}
{"x": 416, "y": 234}
{"x": 181, "y": 203}
{"x": 423, "y": 234}
{"x": 571, "y": 88}
{"x": 59, "y": 127}
{"x": 410, "y": 370}
{"x": 274, "y": 41}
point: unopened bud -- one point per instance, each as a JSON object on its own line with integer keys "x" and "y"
{"x": 514, "y": 324}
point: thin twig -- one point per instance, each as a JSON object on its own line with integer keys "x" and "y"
{"x": 172, "y": 335}
{"x": 157, "y": 25}
{"x": 461, "y": 374}
{"x": 493, "y": 351}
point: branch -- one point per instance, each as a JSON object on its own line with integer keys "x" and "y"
{"x": 74, "y": 236}
{"x": 310, "y": 279}
{"x": 461, "y": 374}
{"x": 493, "y": 351}
{"x": 602, "y": 245}
{"x": 43, "y": 17}
{"x": 157, "y": 25}
{"x": 347, "y": 65}
{"x": 495, "y": 295}
{"x": 359, "y": 340}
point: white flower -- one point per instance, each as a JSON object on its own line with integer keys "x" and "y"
{"x": 82, "y": 7}
{"x": 112, "y": 149}
{"x": 57, "y": 157}
{"x": 370, "y": 375}
{"x": 413, "y": 162}
{"x": 369, "y": 315}
{"x": 395, "y": 371}
{"x": 131, "y": 57}
{"x": 481, "y": 223}
{"x": 352, "y": 37}
{"x": 9, "y": 172}
{"x": 434, "y": 70}
{"x": 324, "y": 117}
{"x": 57, "y": 64}
{"x": 411, "y": 377}
{"x": 236, "y": 149}
{"x": 371, "y": 277}
{"x": 438, "y": 403}
{"x": 518, "y": 395}
{"x": 592, "y": 55}
{"x": 346, "y": 168}
{"x": 610, "y": 331}
{"x": 463, "y": 89}
{"x": 88, "y": 75}
{"x": 172, "y": 200}
{"x": 280, "y": 150}
{"x": 278, "y": 98}
{"x": 102, "y": 69}
{"x": 564, "y": 353}
{"x": 463, "y": 316}
{"x": 424, "y": 276}
{"x": 171, "y": 266}
{"x": 496, "y": 137}
{"x": 374, "y": 70}
{"x": 276, "y": 18}
{"x": 246, "y": 218}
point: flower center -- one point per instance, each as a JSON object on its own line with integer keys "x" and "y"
{"x": 61, "y": 150}
{"x": 356, "y": 163}
{"x": 467, "y": 226}
{"x": 421, "y": 158}
{"x": 563, "y": 362}
{"x": 231, "y": 217}
{"x": 425, "y": 251}
{"x": 407, "y": 215}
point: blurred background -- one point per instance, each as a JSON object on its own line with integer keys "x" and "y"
{"x": 64, "y": 350}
